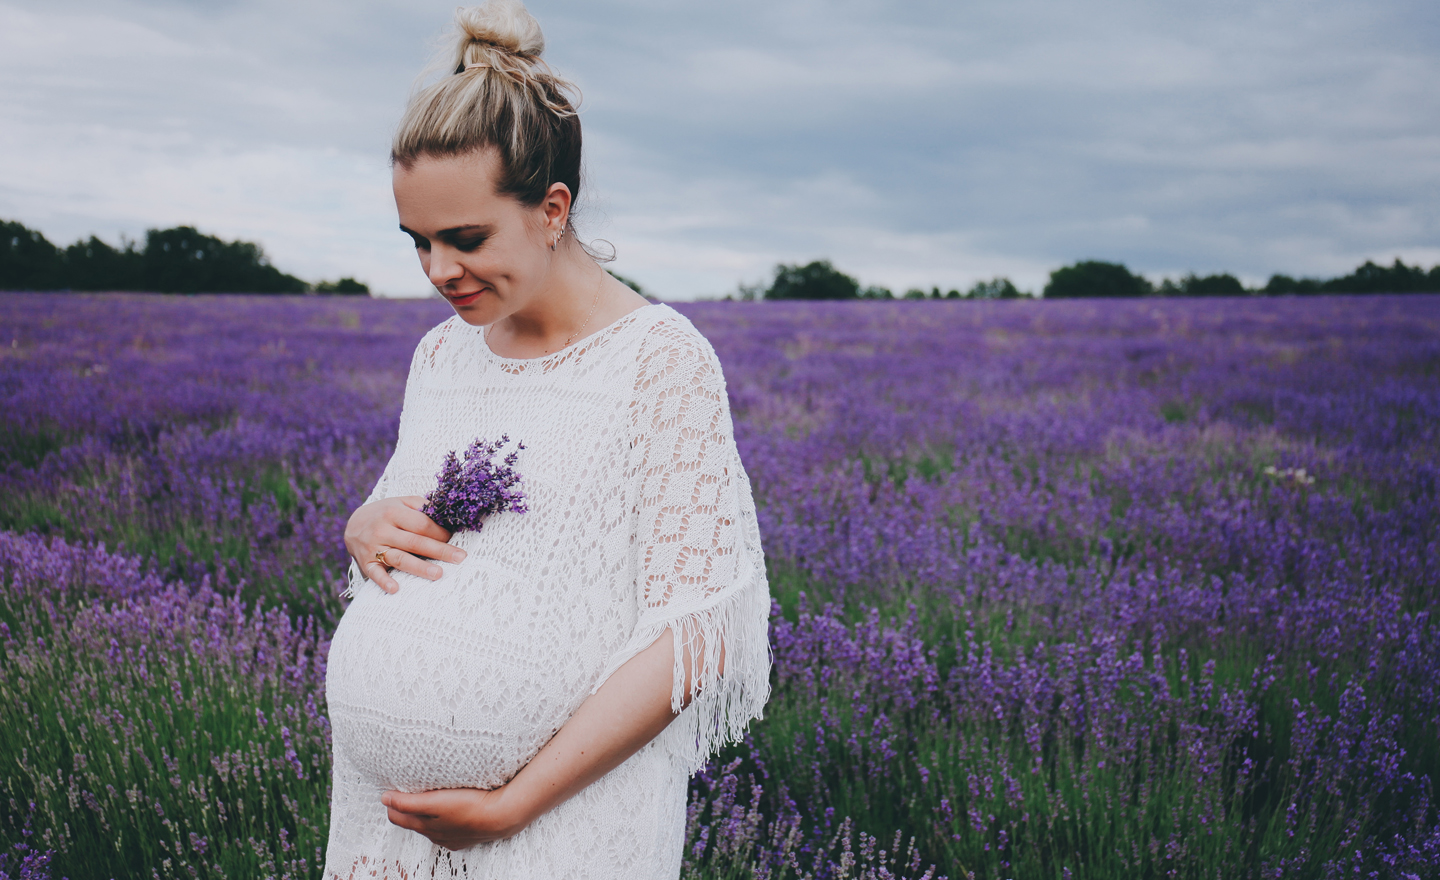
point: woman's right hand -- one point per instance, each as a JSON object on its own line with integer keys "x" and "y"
{"x": 408, "y": 538}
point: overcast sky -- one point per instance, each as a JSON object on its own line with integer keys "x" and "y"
{"x": 912, "y": 143}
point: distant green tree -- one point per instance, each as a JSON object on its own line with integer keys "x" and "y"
{"x": 95, "y": 265}
{"x": 633, "y": 285}
{"x": 1279, "y": 285}
{"x": 816, "y": 280}
{"x": 995, "y": 288}
{"x": 345, "y": 286}
{"x": 1093, "y": 278}
{"x": 914, "y": 293}
{"x": 876, "y": 292}
{"x": 28, "y": 261}
{"x": 1367, "y": 278}
{"x": 1211, "y": 285}
{"x": 1396, "y": 278}
{"x": 183, "y": 260}
{"x": 749, "y": 292}
{"x": 179, "y": 260}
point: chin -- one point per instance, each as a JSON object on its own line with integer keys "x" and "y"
{"x": 473, "y": 317}
{"x": 477, "y": 311}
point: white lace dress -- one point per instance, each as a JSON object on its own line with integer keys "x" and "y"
{"x": 641, "y": 519}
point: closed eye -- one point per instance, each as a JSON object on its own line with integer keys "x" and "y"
{"x": 421, "y": 242}
{"x": 467, "y": 238}
{"x": 462, "y": 238}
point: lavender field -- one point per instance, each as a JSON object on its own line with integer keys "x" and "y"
{"x": 1076, "y": 589}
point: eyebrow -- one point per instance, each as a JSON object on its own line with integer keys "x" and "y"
{"x": 483, "y": 228}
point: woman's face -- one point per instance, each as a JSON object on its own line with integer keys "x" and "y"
{"x": 486, "y": 253}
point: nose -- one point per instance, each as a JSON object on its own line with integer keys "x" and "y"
{"x": 442, "y": 267}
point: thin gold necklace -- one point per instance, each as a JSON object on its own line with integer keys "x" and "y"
{"x": 594, "y": 302}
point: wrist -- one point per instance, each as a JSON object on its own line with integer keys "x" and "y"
{"x": 518, "y": 805}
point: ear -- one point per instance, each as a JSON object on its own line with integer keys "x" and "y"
{"x": 556, "y": 207}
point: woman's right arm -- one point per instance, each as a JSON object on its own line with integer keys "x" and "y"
{"x": 408, "y": 538}
{"x": 395, "y": 526}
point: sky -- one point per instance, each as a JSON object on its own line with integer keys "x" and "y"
{"x": 913, "y": 144}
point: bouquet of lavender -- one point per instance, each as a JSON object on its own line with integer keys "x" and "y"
{"x": 472, "y": 489}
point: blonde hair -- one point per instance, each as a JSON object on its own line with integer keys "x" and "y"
{"x": 496, "y": 92}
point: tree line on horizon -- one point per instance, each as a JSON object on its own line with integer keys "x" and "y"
{"x": 177, "y": 260}
{"x": 184, "y": 260}
{"x": 1095, "y": 278}
{"x": 820, "y": 280}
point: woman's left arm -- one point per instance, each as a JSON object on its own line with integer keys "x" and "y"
{"x": 630, "y": 709}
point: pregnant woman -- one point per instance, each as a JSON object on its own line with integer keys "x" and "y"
{"x": 529, "y": 700}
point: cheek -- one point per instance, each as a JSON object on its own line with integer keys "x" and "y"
{"x": 510, "y": 267}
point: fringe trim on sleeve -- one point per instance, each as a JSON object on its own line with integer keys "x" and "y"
{"x": 721, "y": 705}
{"x": 354, "y": 580}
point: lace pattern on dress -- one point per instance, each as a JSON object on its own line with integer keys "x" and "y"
{"x": 643, "y": 521}
{"x": 702, "y": 569}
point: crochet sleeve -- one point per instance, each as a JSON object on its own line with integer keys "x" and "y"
{"x": 424, "y": 358}
{"x": 696, "y": 546}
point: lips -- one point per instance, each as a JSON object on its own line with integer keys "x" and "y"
{"x": 463, "y": 299}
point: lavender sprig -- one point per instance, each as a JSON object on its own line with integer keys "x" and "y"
{"x": 475, "y": 488}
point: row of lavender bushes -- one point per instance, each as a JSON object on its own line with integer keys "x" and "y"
{"x": 1062, "y": 589}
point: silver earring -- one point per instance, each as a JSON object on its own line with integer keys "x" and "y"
{"x": 559, "y": 235}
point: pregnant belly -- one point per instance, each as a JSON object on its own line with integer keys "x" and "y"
{"x": 452, "y": 684}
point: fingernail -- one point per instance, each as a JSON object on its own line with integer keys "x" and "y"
{"x": 458, "y": 556}
{"x": 434, "y": 572}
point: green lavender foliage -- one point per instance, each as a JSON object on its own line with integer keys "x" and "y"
{"x": 146, "y": 726}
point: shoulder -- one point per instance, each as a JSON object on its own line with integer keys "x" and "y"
{"x": 669, "y": 343}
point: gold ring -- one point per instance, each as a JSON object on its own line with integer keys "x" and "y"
{"x": 380, "y": 557}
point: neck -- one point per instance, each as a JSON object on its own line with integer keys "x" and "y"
{"x": 559, "y": 315}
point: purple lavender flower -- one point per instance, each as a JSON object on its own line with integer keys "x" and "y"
{"x": 26, "y": 863}
{"x": 1051, "y": 593}
{"x": 475, "y": 488}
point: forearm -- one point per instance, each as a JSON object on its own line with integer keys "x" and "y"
{"x": 630, "y": 709}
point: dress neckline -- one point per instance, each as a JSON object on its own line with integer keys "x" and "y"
{"x": 575, "y": 348}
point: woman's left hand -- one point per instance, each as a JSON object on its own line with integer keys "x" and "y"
{"x": 456, "y": 818}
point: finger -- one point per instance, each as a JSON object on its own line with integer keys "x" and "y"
{"x": 401, "y": 561}
{"x": 377, "y": 573}
{"x": 421, "y": 805}
{"x": 413, "y": 520}
{"x": 418, "y": 545}
{"x": 405, "y": 820}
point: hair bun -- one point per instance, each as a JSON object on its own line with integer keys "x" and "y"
{"x": 502, "y": 24}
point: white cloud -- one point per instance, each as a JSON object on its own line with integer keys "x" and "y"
{"x": 914, "y": 144}
{"x": 321, "y": 213}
